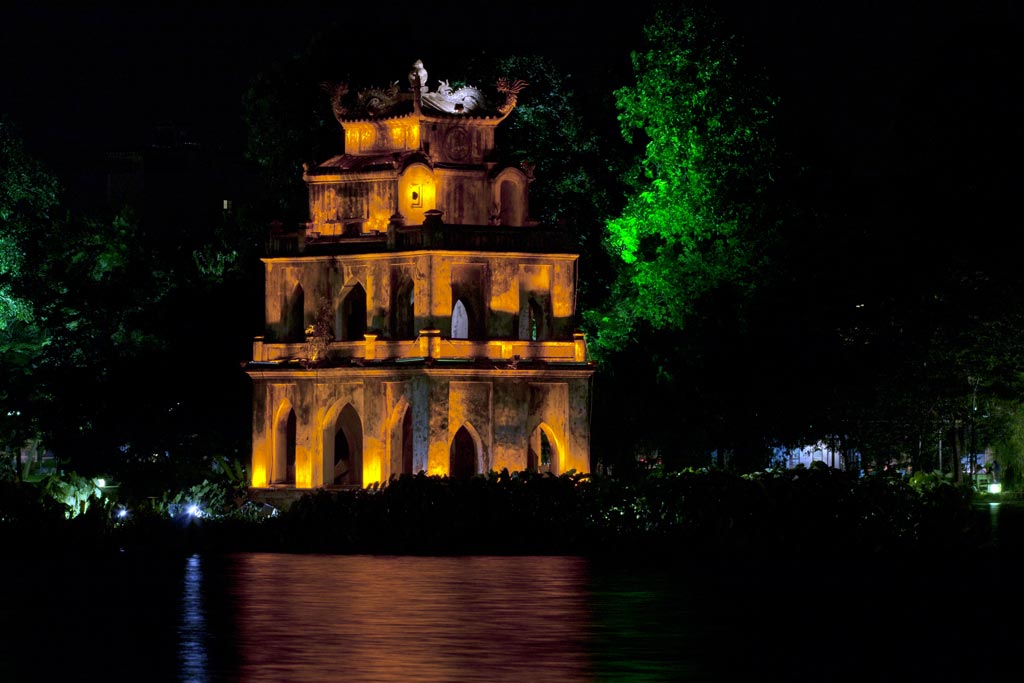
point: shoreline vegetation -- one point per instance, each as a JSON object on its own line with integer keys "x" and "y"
{"x": 815, "y": 512}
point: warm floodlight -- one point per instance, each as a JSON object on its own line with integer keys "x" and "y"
{"x": 995, "y": 488}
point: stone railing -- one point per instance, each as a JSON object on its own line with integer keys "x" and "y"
{"x": 429, "y": 344}
{"x": 433, "y": 234}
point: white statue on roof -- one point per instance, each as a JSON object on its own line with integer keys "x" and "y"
{"x": 418, "y": 77}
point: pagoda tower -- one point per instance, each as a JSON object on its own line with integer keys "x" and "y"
{"x": 421, "y": 321}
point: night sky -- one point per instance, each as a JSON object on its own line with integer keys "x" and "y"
{"x": 98, "y": 75}
{"x": 85, "y": 78}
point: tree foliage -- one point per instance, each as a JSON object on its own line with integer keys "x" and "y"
{"x": 694, "y": 219}
{"x": 97, "y": 349}
{"x": 28, "y": 202}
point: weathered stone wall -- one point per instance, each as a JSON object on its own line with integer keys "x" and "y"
{"x": 360, "y": 203}
{"x": 496, "y": 286}
{"x": 502, "y": 409}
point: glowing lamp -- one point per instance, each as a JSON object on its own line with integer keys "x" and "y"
{"x": 995, "y": 488}
{"x": 122, "y": 513}
{"x": 194, "y": 510}
{"x": 101, "y": 482}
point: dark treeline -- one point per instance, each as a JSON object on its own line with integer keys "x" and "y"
{"x": 815, "y": 512}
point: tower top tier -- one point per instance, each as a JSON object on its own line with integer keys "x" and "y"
{"x": 415, "y": 151}
{"x": 384, "y": 120}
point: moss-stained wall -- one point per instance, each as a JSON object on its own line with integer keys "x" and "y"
{"x": 503, "y": 409}
{"x": 494, "y": 283}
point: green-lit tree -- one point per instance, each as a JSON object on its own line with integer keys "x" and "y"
{"x": 696, "y": 219}
{"x": 28, "y": 207}
{"x": 692, "y": 244}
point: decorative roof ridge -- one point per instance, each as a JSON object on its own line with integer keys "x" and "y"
{"x": 380, "y": 104}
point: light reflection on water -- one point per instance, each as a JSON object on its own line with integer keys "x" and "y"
{"x": 192, "y": 631}
{"x": 358, "y": 618}
{"x": 295, "y": 618}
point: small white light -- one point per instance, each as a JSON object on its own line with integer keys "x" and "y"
{"x": 995, "y": 488}
{"x": 101, "y": 482}
{"x": 122, "y": 513}
{"x": 193, "y": 510}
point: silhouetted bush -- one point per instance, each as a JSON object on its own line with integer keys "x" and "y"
{"x": 695, "y": 512}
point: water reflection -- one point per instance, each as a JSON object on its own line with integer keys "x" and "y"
{"x": 265, "y": 617}
{"x": 327, "y": 618}
{"x": 192, "y": 629}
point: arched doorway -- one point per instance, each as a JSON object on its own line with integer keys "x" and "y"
{"x": 284, "y": 445}
{"x": 407, "y": 442}
{"x": 351, "y": 320}
{"x": 401, "y": 440}
{"x": 543, "y": 454}
{"x": 343, "y": 449}
{"x": 462, "y": 456}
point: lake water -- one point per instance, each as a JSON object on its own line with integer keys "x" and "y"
{"x": 264, "y": 617}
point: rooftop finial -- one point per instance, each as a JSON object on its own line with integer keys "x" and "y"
{"x": 418, "y": 77}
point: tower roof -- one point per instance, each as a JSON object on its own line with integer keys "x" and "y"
{"x": 445, "y": 102}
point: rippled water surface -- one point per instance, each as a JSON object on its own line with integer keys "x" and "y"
{"x": 277, "y": 617}
{"x": 401, "y": 619}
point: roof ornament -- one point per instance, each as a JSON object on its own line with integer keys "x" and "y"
{"x": 511, "y": 90}
{"x": 337, "y": 93}
{"x": 465, "y": 100}
{"x": 418, "y": 77}
{"x": 378, "y": 101}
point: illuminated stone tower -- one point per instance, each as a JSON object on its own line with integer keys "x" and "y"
{"x": 421, "y": 321}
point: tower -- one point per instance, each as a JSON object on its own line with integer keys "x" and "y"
{"x": 421, "y": 321}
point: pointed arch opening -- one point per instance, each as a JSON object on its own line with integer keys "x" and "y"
{"x": 283, "y": 471}
{"x": 407, "y": 442}
{"x": 509, "y": 194}
{"x": 350, "y": 323}
{"x": 294, "y": 316}
{"x": 343, "y": 448}
{"x": 463, "y": 455}
{"x": 544, "y": 453}
{"x": 511, "y": 210}
{"x": 400, "y": 439}
{"x": 403, "y": 310}
{"x": 460, "y": 321}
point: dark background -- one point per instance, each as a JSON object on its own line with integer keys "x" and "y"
{"x": 93, "y": 77}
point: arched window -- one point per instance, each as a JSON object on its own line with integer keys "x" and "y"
{"x": 462, "y": 456}
{"x": 294, "y": 315}
{"x": 284, "y": 445}
{"x": 352, "y": 315}
{"x": 342, "y": 458}
{"x": 407, "y": 442}
{"x": 511, "y": 209}
{"x": 460, "y": 321}
{"x": 546, "y": 452}
{"x": 346, "y": 442}
{"x": 403, "y": 311}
